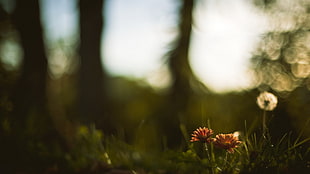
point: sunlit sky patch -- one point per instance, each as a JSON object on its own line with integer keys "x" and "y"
{"x": 59, "y": 18}
{"x": 224, "y": 37}
{"x": 138, "y": 33}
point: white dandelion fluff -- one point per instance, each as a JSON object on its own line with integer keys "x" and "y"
{"x": 267, "y": 101}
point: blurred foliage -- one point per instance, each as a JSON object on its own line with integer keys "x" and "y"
{"x": 88, "y": 151}
{"x": 282, "y": 59}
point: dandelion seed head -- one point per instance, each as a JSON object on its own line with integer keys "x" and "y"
{"x": 267, "y": 101}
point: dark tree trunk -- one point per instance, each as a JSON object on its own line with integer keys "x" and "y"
{"x": 30, "y": 98}
{"x": 32, "y": 127}
{"x": 179, "y": 58}
{"x": 182, "y": 75}
{"x": 91, "y": 74}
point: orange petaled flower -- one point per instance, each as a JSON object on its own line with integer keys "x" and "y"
{"x": 227, "y": 141}
{"x": 202, "y": 134}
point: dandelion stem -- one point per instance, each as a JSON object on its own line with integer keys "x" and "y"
{"x": 264, "y": 125}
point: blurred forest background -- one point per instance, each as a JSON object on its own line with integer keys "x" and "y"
{"x": 42, "y": 112}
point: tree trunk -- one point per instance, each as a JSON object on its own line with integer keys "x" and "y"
{"x": 31, "y": 125}
{"x": 182, "y": 75}
{"x": 179, "y": 58}
{"x": 91, "y": 74}
{"x": 30, "y": 98}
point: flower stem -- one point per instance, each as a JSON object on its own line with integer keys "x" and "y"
{"x": 207, "y": 150}
{"x": 208, "y": 156}
{"x": 225, "y": 160}
{"x": 264, "y": 125}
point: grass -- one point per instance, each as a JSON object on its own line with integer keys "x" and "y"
{"x": 255, "y": 155}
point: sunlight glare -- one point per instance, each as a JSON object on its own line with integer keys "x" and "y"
{"x": 224, "y": 36}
